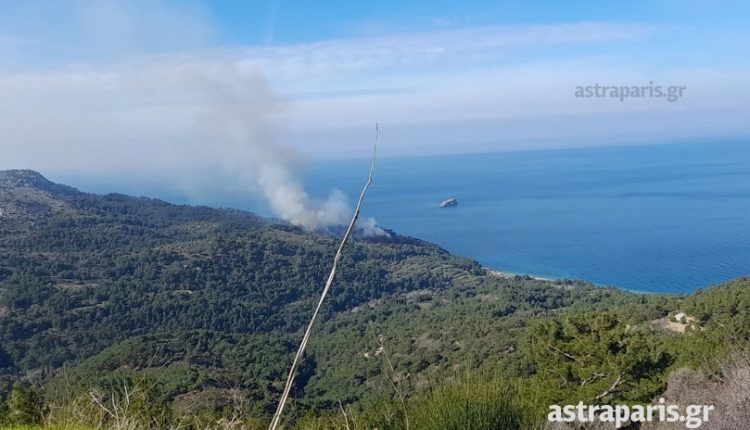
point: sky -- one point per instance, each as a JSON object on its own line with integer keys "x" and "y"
{"x": 170, "y": 90}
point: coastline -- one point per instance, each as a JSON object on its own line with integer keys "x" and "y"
{"x": 511, "y": 275}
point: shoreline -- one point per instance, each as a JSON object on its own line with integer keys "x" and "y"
{"x": 511, "y": 275}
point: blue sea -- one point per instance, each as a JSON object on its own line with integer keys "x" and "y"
{"x": 654, "y": 218}
{"x": 667, "y": 218}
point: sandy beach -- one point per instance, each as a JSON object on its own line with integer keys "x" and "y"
{"x": 510, "y": 275}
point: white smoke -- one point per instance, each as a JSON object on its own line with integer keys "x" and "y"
{"x": 184, "y": 119}
{"x": 288, "y": 199}
{"x": 240, "y": 123}
{"x": 368, "y": 227}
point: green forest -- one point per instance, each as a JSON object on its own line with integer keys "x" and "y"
{"x": 130, "y": 312}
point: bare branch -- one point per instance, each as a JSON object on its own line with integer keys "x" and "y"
{"x": 346, "y": 418}
{"x": 561, "y": 352}
{"x": 593, "y": 377}
{"x": 615, "y": 387}
{"x": 101, "y": 406}
{"x": 303, "y": 344}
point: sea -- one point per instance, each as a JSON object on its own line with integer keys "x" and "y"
{"x": 660, "y": 218}
{"x": 665, "y": 218}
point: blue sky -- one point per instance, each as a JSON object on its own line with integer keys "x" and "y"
{"x": 170, "y": 88}
{"x": 258, "y": 22}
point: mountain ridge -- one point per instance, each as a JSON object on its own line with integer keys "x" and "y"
{"x": 96, "y": 289}
{"x": 112, "y": 266}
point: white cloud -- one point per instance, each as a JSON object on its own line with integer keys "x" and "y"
{"x": 356, "y": 60}
{"x": 130, "y": 87}
{"x": 104, "y": 117}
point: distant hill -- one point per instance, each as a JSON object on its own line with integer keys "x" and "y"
{"x": 99, "y": 287}
{"x": 25, "y": 194}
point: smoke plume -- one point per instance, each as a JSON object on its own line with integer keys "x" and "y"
{"x": 241, "y": 123}
{"x": 186, "y": 121}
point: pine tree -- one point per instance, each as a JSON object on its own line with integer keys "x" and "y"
{"x": 25, "y": 405}
{"x": 596, "y": 357}
{"x": 3, "y": 411}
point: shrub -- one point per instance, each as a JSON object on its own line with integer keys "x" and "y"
{"x": 25, "y": 405}
{"x": 473, "y": 403}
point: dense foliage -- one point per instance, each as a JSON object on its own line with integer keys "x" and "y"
{"x": 102, "y": 293}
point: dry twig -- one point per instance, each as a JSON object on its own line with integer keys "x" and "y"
{"x": 346, "y": 418}
{"x": 303, "y": 344}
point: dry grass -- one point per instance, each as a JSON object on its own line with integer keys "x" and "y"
{"x": 728, "y": 392}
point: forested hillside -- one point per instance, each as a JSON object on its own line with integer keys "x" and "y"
{"x": 208, "y": 305}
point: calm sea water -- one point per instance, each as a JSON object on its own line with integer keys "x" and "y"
{"x": 659, "y": 218}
